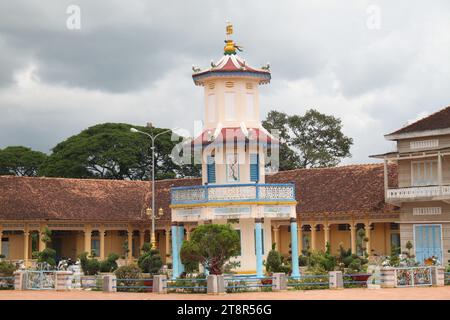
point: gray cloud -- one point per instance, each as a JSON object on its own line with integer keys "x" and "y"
{"x": 130, "y": 62}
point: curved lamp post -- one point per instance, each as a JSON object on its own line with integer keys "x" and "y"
{"x": 151, "y": 211}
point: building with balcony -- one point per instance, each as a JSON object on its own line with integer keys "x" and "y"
{"x": 100, "y": 216}
{"x": 422, "y": 190}
{"x": 233, "y": 147}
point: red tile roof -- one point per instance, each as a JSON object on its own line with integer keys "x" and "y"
{"x": 357, "y": 188}
{"x": 438, "y": 120}
{"x": 345, "y": 189}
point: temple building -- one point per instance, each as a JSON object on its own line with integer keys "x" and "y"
{"x": 233, "y": 146}
{"x": 405, "y": 199}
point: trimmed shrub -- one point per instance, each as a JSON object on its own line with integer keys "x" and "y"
{"x": 110, "y": 263}
{"x": 128, "y": 272}
{"x": 274, "y": 261}
{"x": 150, "y": 261}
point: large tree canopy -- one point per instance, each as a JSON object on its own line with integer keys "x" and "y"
{"x": 112, "y": 151}
{"x": 309, "y": 141}
{"x": 20, "y": 161}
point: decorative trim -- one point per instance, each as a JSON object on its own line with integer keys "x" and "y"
{"x": 417, "y": 134}
{"x": 427, "y": 211}
{"x": 209, "y": 204}
{"x": 424, "y": 144}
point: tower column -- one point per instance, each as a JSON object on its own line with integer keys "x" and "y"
{"x": 326, "y": 232}
{"x": 102, "y": 243}
{"x": 130, "y": 244}
{"x": 353, "y": 237}
{"x": 26, "y": 239}
{"x": 87, "y": 240}
{"x": 175, "y": 253}
{"x": 313, "y": 236}
{"x": 180, "y": 243}
{"x": 294, "y": 248}
{"x": 167, "y": 239}
{"x": 368, "y": 230}
{"x": 258, "y": 243}
{"x": 42, "y": 244}
{"x": 276, "y": 237}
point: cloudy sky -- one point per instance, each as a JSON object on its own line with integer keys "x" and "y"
{"x": 375, "y": 64}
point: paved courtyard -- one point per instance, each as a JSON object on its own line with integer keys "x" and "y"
{"x": 441, "y": 293}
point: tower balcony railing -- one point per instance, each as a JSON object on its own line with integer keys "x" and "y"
{"x": 214, "y": 193}
{"x": 411, "y": 193}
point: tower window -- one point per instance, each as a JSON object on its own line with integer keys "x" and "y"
{"x": 250, "y": 106}
{"x": 211, "y": 169}
{"x": 230, "y": 113}
{"x": 211, "y": 108}
{"x": 254, "y": 167}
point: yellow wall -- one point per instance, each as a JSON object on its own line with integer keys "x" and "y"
{"x": 380, "y": 239}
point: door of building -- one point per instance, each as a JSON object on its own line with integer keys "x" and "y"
{"x": 428, "y": 242}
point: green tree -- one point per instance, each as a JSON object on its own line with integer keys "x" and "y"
{"x": 150, "y": 261}
{"x": 21, "y": 161}
{"x": 112, "y": 151}
{"x": 212, "y": 245}
{"x": 309, "y": 141}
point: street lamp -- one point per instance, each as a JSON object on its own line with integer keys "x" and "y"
{"x": 151, "y": 211}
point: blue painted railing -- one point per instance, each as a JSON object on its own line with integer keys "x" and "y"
{"x": 240, "y": 283}
{"x": 246, "y": 192}
{"x": 309, "y": 281}
{"x": 186, "y": 285}
{"x": 7, "y": 282}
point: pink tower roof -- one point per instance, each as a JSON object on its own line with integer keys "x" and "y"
{"x": 231, "y": 65}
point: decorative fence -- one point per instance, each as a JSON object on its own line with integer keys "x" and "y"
{"x": 309, "y": 282}
{"x": 216, "y": 284}
{"x": 245, "y": 283}
{"x": 91, "y": 282}
{"x": 413, "y": 277}
{"x": 227, "y": 193}
{"x": 186, "y": 285}
{"x": 356, "y": 280}
{"x": 133, "y": 285}
{"x": 40, "y": 280}
{"x": 7, "y": 283}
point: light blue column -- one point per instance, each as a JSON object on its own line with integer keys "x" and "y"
{"x": 175, "y": 254}
{"x": 259, "y": 253}
{"x": 294, "y": 248}
{"x": 180, "y": 243}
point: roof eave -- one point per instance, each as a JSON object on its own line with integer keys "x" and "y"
{"x": 416, "y": 134}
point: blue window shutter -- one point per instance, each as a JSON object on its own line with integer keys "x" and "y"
{"x": 254, "y": 167}
{"x": 211, "y": 169}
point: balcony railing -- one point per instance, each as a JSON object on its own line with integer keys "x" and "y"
{"x": 419, "y": 192}
{"x": 233, "y": 193}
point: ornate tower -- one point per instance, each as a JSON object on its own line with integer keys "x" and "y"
{"x": 233, "y": 145}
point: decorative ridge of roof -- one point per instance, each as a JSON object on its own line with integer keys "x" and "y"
{"x": 419, "y": 120}
{"x": 93, "y": 179}
{"x": 348, "y": 166}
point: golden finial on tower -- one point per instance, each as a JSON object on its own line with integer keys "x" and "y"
{"x": 229, "y": 28}
{"x": 230, "y": 46}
